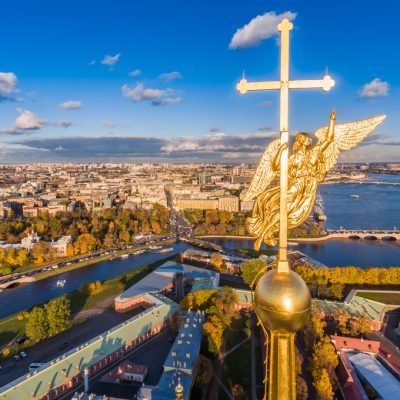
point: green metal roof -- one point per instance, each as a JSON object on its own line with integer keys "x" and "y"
{"x": 51, "y": 375}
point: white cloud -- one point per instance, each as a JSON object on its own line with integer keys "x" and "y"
{"x": 26, "y": 121}
{"x": 170, "y": 76}
{"x": 258, "y": 29}
{"x": 109, "y": 124}
{"x": 64, "y": 123}
{"x": 214, "y": 129}
{"x": 111, "y": 60}
{"x": 375, "y": 88}
{"x": 267, "y": 103}
{"x": 156, "y": 96}
{"x": 167, "y": 101}
{"x": 8, "y": 83}
{"x": 71, "y": 105}
{"x": 135, "y": 72}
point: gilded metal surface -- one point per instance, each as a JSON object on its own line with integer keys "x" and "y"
{"x": 308, "y": 166}
{"x": 282, "y": 300}
{"x": 282, "y": 304}
{"x": 283, "y": 85}
{"x": 179, "y": 390}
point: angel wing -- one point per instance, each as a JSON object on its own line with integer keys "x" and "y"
{"x": 264, "y": 173}
{"x": 346, "y": 137}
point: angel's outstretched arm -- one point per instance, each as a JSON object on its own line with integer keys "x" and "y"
{"x": 331, "y": 131}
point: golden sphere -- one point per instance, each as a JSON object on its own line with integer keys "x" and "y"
{"x": 282, "y": 301}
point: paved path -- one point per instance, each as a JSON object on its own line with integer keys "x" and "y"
{"x": 99, "y": 309}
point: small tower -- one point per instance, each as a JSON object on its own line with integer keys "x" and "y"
{"x": 179, "y": 390}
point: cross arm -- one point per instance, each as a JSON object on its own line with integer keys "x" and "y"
{"x": 325, "y": 84}
{"x": 244, "y": 86}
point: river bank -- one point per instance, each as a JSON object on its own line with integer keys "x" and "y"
{"x": 12, "y": 327}
{"x": 38, "y": 292}
{"x": 86, "y": 263}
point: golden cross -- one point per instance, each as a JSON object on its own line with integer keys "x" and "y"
{"x": 283, "y": 86}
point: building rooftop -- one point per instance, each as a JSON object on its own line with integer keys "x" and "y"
{"x": 371, "y": 370}
{"x": 187, "y": 344}
{"x": 164, "y": 275}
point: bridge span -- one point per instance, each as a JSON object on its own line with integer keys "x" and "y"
{"x": 354, "y": 234}
{"x": 8, "y": 282}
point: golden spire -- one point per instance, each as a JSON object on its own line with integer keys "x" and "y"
{"x": 179, "y": 390}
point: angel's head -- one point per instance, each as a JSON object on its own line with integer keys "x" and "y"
{"x": 302, "y": 141}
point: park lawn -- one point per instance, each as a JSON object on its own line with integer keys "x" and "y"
{"x": 386, "y": 298}
{"x": 11, "y": 327}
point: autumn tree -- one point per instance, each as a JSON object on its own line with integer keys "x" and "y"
{"x": 200, "y": 300}
{"x": 314, "y": 328}
{"x": 336, "y": 291}
{"x": 341, "y": 317}
{"x": 301, "y": 388}
{"x": 216, "y": 260}
{"x": 324, "y": 356}
{"x": 250, "y": 269}
{"x": 213, "y": 330}
{"x": 40, "y": 252}
{"x": 37, "y": 325}
{"x": 86, "y": 243}
{"x": 323, "y": 385}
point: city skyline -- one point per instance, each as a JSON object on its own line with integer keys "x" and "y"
{"x": 156, "y": 82}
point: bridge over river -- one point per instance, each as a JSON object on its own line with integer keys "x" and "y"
{"x": 354, "y": 234}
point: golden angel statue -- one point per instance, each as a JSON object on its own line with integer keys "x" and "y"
{"x": 308, "y": 166}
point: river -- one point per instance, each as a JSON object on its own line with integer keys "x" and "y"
{"x": 377, "y": 207}
{"x": 26, "y": 296}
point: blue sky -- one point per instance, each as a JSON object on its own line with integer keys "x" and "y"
{"x": 155, "y": 80}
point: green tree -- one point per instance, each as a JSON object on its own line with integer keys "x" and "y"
{"x": 250, "y": 269}
{"x": 58, "y": 315}
{"x": 37, "y": 325}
